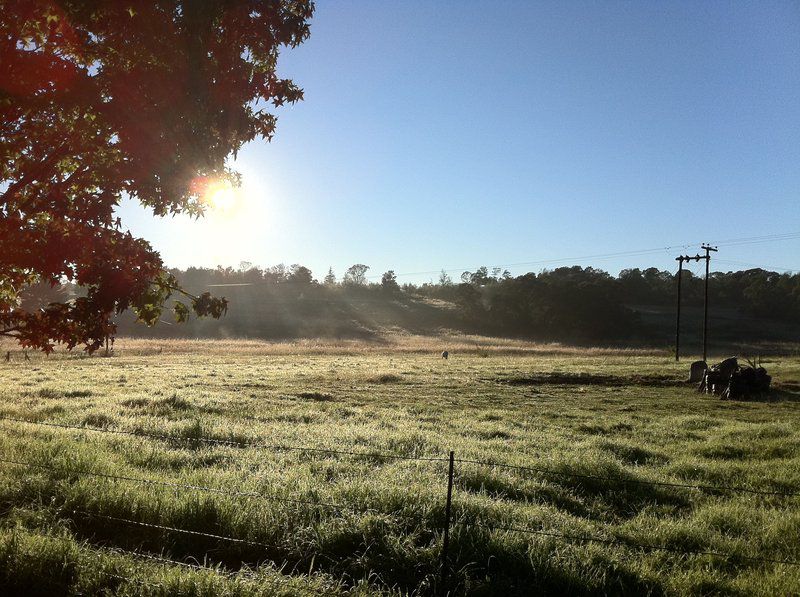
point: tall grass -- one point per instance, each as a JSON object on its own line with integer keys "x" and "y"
{"x": 58, "y": 523}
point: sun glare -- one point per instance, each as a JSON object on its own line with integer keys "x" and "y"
{"x": 221, "y": 196}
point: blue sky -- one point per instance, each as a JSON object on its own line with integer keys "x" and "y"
{"x": 455, "y": 134}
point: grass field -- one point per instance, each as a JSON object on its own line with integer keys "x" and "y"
{"x": 600, "y": 427}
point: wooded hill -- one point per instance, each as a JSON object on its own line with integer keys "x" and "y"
{"x": 568, "y": 304}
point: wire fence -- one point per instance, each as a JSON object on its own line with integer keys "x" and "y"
{"x": 449, "y": 504}
{"x": 544, "y": 471}
{"x": 98, "y": 550}
{"x": 170, "y": 529}
{"x": 189, "y": 487}
{"x": 623, "y": 543}
{"x": 629, "y": 481}
{"x": 228, "y": 442}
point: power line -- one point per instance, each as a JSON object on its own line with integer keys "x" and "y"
{"x": 727, "y": 242}
{"x": 764, "y": 267}
{"x": 539, "y": 262}
{"x": 731, "y": 242}
{"x": 752, "y": 240}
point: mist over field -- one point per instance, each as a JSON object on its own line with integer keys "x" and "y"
{"x": 753, "y": 309}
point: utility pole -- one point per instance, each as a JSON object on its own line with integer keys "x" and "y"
{"x": 707, "y": 249}
{"x": 680, "y": 259}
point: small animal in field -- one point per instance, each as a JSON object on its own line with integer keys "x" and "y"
{"x": 445, "y": 354}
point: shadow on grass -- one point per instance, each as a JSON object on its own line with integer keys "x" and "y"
{"x": 624, "y": 494}
{"x": 592, "y": 379}
{"x": 496, "y": 563}
{"x": 497, "y": 487}
{"x": 578, "y": 491}
{"x": 783, "y": 394}
{"x": 632, "y": 454}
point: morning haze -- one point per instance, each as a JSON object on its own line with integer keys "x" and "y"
{"x": 372, "y": 298}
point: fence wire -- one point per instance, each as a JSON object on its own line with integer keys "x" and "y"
{"x": 98, "y": 550}
{"x": 382, "y": 455}
{"x": 162, "y": 527}
{"x": 169, "y": 484}
{"x": 621, "y": 542}
{"x": 623, "y": 480}
{"x": 565, "y": 537}
{"x": 232, "y": 443}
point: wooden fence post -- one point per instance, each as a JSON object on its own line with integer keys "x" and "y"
{"x": 446, "y": 539}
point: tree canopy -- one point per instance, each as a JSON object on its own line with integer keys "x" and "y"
{"x": 568, "y": 304}
{"x": 356, "y": 274}
{"x": 105, "y": 100}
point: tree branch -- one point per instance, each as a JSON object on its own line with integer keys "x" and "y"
{"x": 35, "y": 173}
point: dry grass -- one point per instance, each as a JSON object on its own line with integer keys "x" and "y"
{"x": 388, "y": 343}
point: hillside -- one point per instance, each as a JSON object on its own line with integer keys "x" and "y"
{"x": 314, "y": 313}
{"x": 753, "y": 309}
{"x": 371, "y": 316}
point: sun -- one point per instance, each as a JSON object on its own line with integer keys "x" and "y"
{"x": 221, "y": 196}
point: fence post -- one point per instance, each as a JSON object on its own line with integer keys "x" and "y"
{"x": 446, "y": 539}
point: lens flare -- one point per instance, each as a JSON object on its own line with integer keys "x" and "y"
{"x": 219, "y": 195}
{"x": 222, "y": 198}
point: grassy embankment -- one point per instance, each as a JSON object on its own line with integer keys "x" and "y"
{"x": 600, "y": 413}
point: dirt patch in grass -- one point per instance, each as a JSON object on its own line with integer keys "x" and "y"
{"x": 633, "y": 455}
{"x": 135, "y": 403}
{"x": 98, "y": 420}
{"x": 48, "y": 394}
{"x": 385, "y": 378}
{"x": 174, "y": 402}
{"x": 492, "y": 434}
{"x": 78, "y": 393}
{"x": 54, "y": 394}
{"x": 317, "y": 396}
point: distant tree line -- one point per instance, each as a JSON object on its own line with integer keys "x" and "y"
{"x": 573, "y": 304}
{"x": 577, "y": 303}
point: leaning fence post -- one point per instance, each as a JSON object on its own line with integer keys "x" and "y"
{"x": 446, "y": 539}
